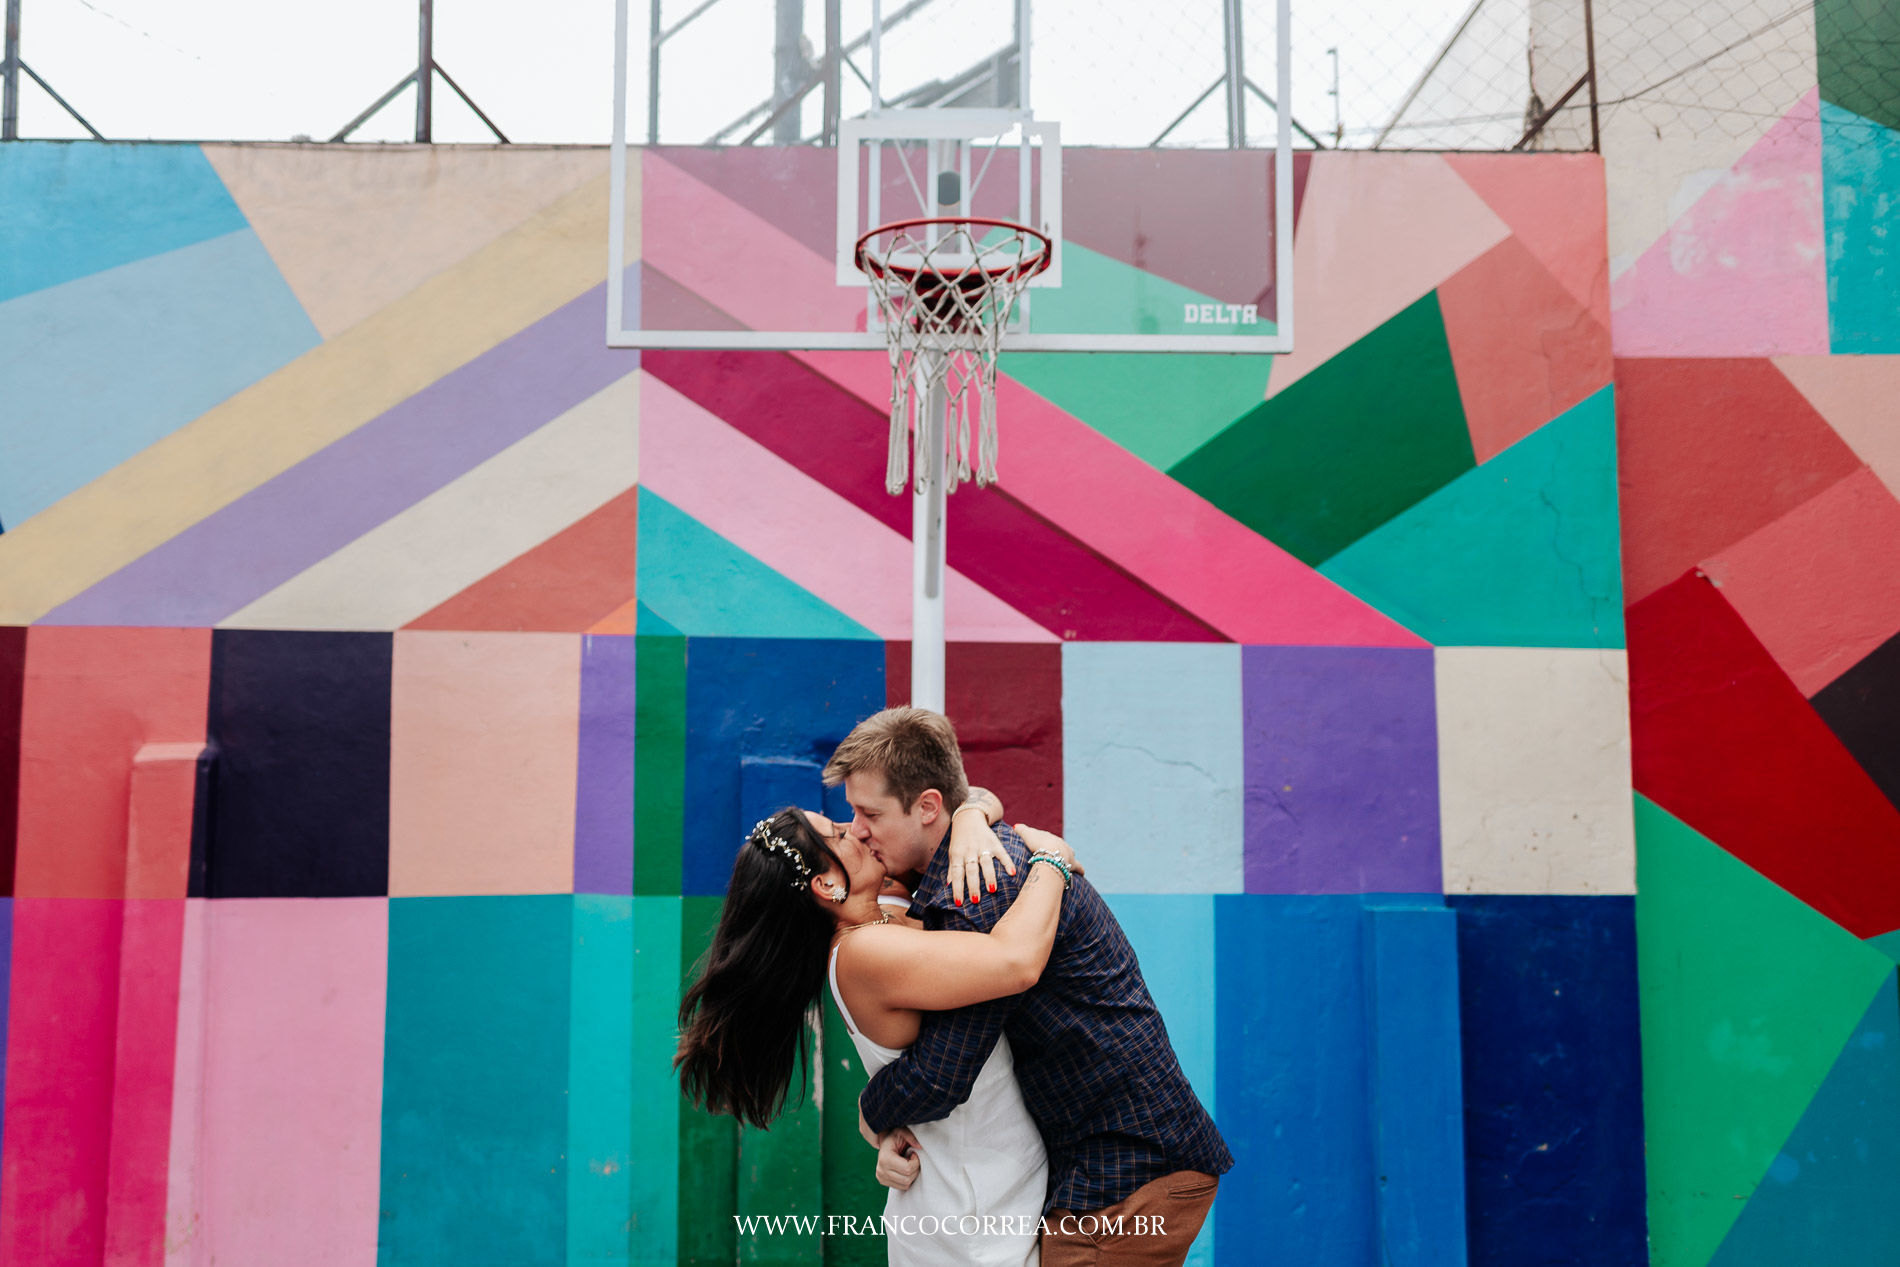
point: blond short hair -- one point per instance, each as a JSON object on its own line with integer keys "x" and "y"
{"x": 913, "y": 748}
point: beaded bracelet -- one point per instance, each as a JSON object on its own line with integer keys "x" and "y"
{"x": 1057, "y": 863}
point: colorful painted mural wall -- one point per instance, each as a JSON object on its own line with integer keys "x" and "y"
{"x": 387, "y": 669}
{"x": 1756, "y": 317}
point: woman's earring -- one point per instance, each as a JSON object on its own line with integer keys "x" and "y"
{"x": 837, "y": 893}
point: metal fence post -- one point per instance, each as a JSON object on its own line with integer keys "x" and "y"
{"x": 10, "y": 95}
{"x": 425, "y": 72}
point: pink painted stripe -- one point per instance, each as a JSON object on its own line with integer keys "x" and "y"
{"x": 798, "y": 527}
{"x": 62, "y": 1021}
{"x": 1175, "y": 541}
{"x": 720, "y": 251}
{"x": 290, "y": 1089}
{"x": 146, "y": 1045}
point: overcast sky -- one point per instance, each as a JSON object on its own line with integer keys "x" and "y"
{"x": 1113, "y": 71}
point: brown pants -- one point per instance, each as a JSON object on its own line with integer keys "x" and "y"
{"x": 1156, "y": 1225}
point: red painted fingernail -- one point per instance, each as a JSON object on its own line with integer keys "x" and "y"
{"x": 992, "y": 888}
{"x": 976, "y": 897}
{"x": 959, "y": 901}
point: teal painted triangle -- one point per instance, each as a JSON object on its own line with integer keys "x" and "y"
{"x": 1887, "y": 944}
{"x": 648, "y": 621}
{"x": 1354, "y": 442}
{"x": 1828, "y": 1196}
{"x": 1159, "y": 407}
{"x": 1102, "y": 295}
{"x": 1860, "y": 169}
{"x": 1522, "y": 551}
{"x": 699, "y": 584}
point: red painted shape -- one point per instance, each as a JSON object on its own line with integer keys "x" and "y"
{"x": 1203, "y": 219}
{"x": 62, "y": 1024}
{"x": 146, "y": 1041}
{"x": 1709, "y": 451}
{"x": 1820, "y": 586}
{"x": 839, "y": 440}
{"x": 576, "y": 577}
{"x": 1005, "y": 699}
{"x": 1554, "y": 205}
{"x": 1525, "y": 350}
{"x": 93, "y": 696}
{"x": 12, "y": 675}
{"x": 1722, "y": 739}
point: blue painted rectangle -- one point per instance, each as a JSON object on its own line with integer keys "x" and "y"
{"x": 1553, "y": 1085}
{"x": 791, "y": 699}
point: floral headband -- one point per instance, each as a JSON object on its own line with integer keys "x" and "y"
{"x": 762, "y": 837}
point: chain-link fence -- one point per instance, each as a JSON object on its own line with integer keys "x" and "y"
{"x": 1422, "y": 74}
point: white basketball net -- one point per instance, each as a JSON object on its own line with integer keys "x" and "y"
{"x": 946, "y": 290}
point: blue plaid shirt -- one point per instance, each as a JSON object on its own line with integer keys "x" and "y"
{"x": 1092, "y": 1056}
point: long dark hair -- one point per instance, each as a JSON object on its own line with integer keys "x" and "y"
{"x": 743, "y": 1021}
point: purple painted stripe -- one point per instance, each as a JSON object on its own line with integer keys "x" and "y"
{"x": 262, "y": 539}
{"x": 1341, "y": 751}
{"x": 603, "y": 804}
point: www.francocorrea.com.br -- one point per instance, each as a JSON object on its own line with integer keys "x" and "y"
{"x": 909, "y": 1225}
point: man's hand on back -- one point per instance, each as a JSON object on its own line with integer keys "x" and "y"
{"x": 897, "y": 1163}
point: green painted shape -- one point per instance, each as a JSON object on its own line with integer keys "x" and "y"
{"x": 1159, "y": 407}
{"x": 850, "y": 1179}
{"x": 1828, "y": 1196}
{"x": 475, "y": 1065}
{"x": 1748, "y": 995}
{"x": 1857, "y": 57}
{"x": 708, "y": 1143}
{"x": 600, "y": 1135}
{"x": 1520, "y": 552}
{"x": 1356, "y": 441}
{"x": 659, "y": 765}
{"x": 1887, "y": 944}
{"x": 1860, "y": 186}
{"x": 703, "y": 585}
{"x": 1102, "y": 295}
{"x": 781, "y": 1171}
{"x": 652, "y": 1086}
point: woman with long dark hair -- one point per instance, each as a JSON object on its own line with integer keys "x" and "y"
{"x": 803, "y": 902}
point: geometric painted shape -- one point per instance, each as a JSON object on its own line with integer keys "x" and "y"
{"x": 706, "y": 1155}
{"x": 1748, "y": 996}
{"x": 705, "y": 586}
{"x": 603, "y": 808}
{"x": 753, "y": 704}
{"x": 1829, "y": 1193}
{"x": 12, "y": 685}
{"x": 1292, "y": 1053}
{"x": 653, "y": 1169}
{"x": 475, "y": 1075}
{"x": 1860, "y": 160}
{"x": 1819, "y": 586}
{"x": 1534, "y": 770}
{"x": 1005, "y": 699}
{"x": 1855, "y": 394}
{"x": 1854, "y": 42}
{"x": 492, "y": 547}
{"x": 600, "y": 1140}
{"x": 1710, "y": 450}
{"x": 659, "y": 764}
{"x": 1350, "y": 445}
{"x": 91, "y": 698}
{"x": 798, "y": 526}
{"x": 1741, "y": 271}
{"x": 354, "y": 230}
{"x": 1524, "y": 347}
{"x": 278, "y": 1106}
{"x": 1553, "y": 1079}
{"x": 67, "y": 210}
{"x": 1521, "y": 551}
{"x": 1545, "y": 201}
{"x": 1358, "y": 259}
{"x": 483, "y": 754}
{"x": 1725, "y": 742}
{"x": 100, "y": 367}
{"x": 271, "y": 533}
{"x": 1152, "y": 777}
{"x": 300, "y": 722}
{"x": 1341, "y": 750}
{"x": 1159, "y": 408}
{"x": 277, "y": 422}
{"x": 1102, "y": 295}
{"x": 1862, "y": 708}
{"x": 582, "y": 573}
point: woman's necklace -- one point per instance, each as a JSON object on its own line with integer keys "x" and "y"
{"x": 885, "y": 918}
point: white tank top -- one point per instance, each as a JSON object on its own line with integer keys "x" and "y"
{"x": 985, "y": 1158}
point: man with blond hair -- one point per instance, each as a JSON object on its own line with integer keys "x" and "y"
{"x": 1134, "y": 1158}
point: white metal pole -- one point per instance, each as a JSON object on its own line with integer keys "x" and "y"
{"x": 927, "y": 501}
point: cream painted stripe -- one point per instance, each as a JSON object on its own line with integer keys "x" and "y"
{"x": 322, "y": 396}
{"x": 460, "y": 533}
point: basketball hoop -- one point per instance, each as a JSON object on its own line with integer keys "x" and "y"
{"x": 946, "y": 289}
